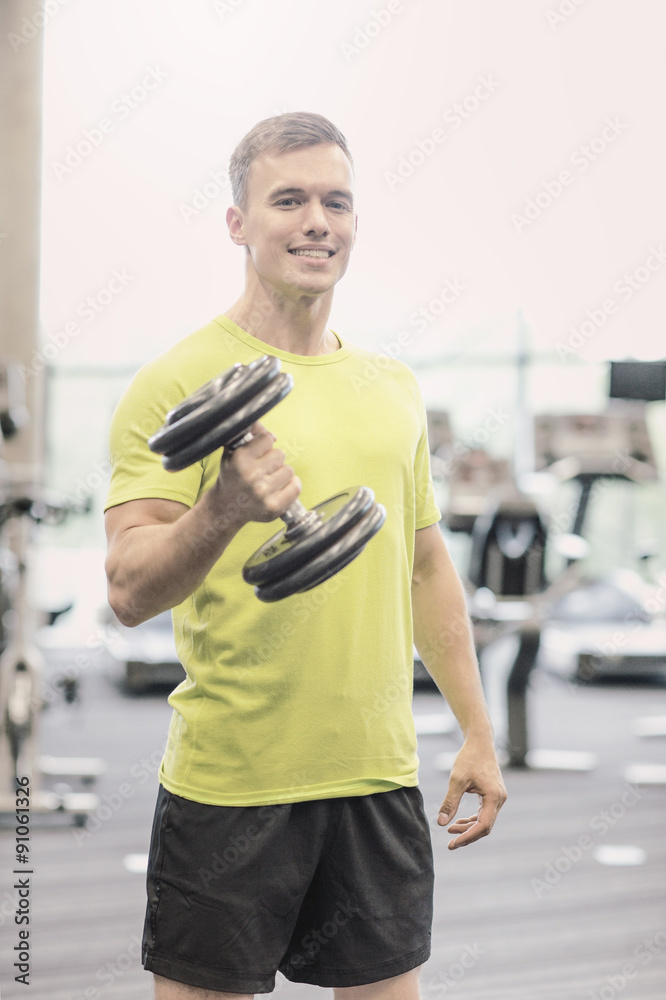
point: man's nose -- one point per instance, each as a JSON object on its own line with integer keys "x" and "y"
{"x": 314, "y": 220}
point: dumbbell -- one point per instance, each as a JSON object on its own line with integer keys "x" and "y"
{"x": 314, "y": 544}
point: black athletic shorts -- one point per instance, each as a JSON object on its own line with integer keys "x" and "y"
{"x": 334, "y": 892}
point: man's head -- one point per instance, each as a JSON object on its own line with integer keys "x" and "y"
{"x": 292, "y": 180}
{"x": 277, "y": 135}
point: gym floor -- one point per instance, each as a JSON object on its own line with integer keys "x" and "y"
{"x": 536, "y": 911}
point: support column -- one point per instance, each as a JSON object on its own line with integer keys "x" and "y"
{"x": 20, "y": 203}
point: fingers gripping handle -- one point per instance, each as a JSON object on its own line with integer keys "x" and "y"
{"x": 296, "y": 516}
{"x": 315, "y": 544}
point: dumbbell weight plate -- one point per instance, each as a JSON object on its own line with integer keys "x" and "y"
{"x": 227, "y": 431}
{"x": 224, "y": 381}
{"x": 233, "y": 428}
{"x": 290, "y": 550}
{"x": 212, "y": 404}
{"x": 315, "y": 544}
{"x": 327, "y": 563}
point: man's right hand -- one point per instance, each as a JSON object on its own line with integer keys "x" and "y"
{"x": 254, "y": 480}
{"x": 160, "y": 550}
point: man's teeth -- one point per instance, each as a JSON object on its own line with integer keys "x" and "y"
{"x": 310, "y": 253}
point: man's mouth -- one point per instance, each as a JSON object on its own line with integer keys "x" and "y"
{"x": 312, "y": 253}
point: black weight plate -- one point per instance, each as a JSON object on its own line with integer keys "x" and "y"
{"x": 284, "y": 551}
{"x": 198, "y": 412}
{"x": 203, "y": 394}
{"x": 232, "y": 428}
{"x": 329, "y": 562}
{"x": 212, "y": 403}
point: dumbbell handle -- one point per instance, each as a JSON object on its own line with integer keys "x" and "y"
{"x": 297, "y": 517}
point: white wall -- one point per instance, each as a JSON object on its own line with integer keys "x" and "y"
{"x": 553, "y": 81}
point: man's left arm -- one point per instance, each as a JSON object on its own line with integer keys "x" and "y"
{"x": 443, "y": 638}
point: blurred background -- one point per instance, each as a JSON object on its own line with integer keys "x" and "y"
{"x": 509, "y": 161}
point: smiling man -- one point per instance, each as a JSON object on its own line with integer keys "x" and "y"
{"x": 289, "y": 831}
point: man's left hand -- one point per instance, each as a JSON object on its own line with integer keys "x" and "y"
{"x": 475, "y": 770}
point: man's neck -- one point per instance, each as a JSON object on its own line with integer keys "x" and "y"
{"x": 297, "y": 326}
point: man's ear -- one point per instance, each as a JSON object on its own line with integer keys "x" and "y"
{"x": 235, "y": 225}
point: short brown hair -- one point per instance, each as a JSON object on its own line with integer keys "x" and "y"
{"x": 280, "y": 134}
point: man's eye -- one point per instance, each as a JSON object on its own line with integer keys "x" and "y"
{"x": 339, "y": 206}
{"x": 288, "y": 202}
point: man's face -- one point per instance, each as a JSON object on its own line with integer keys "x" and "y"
{"x": 299, "y": 224}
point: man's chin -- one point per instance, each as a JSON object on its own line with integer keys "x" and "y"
{"x": 315, "y": 289}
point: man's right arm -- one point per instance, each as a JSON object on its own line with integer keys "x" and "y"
{"x": 160, "y": 551}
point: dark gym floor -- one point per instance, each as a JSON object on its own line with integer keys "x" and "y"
{"x": 530, "y": 913}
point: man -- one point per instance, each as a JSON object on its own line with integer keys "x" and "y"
{"x": 289, "y": 830}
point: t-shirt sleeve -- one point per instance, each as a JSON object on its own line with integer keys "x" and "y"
{"x": 427, "y": 512}
{"x": 137, "y": 473}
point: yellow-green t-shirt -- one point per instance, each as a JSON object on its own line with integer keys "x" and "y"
{"x": 309, "y": 697}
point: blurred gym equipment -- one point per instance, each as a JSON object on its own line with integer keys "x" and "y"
{"x": 21, "y": 669}
{"x": 603, "y": 624}
{"x": 509, "y": 542}
{"x": 507, "y": 571}
{"x": 507, "y": 568}
{"x": 23, "y": 502}
{"x": 145, "y": 656}
{"x": 649, "y": 727}
{"x": 13, "y": 409}
{"x": 475, "y": 476}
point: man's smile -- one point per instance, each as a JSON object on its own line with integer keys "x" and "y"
{"x": 313, "y": 252}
